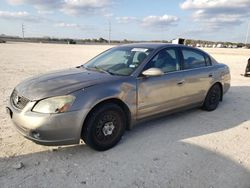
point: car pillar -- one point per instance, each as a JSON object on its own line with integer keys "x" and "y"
{"x": 247, "y": 71}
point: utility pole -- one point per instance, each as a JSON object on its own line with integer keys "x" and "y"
{"x": 23, "y": 30}
{"x": 247, "y": 33}
{"x": 109, "y": 29}
{"x": 162, "y": 32}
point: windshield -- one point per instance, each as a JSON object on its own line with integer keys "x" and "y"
{"x": 119, "y": 61}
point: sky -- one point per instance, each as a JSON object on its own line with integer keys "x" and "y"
{"x": 216, "y": 20}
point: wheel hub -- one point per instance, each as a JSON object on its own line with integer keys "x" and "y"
{"x": 108, "y": 128}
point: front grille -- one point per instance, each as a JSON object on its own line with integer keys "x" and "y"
{"x": 18, "y": 101}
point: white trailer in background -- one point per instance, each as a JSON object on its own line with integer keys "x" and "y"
{"x": 178, "y": 41}
{"x": 220, "y": 46}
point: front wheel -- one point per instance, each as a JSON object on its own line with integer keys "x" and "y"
{"x": 104, "y": 127}
{"x": 213, "y": 98}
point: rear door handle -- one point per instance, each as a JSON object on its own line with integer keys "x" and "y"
{"x": 180, "y": 82}
{"x": 210, "y": 75}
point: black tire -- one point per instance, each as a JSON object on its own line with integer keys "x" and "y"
{"x": 213, "y": 98}
{"x": 106, "y": 119}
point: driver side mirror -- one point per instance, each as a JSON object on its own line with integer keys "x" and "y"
{"x": 153, "y": 72}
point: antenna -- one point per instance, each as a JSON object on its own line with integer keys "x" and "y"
{"x": 247, "y": 33}
{"x": 23, "y": 30}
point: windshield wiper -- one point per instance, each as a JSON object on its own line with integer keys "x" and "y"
{"x": 99, "y": 69}
{"x": 91, "y": 68}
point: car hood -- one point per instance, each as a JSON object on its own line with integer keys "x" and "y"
{"x": 60, "y": 83}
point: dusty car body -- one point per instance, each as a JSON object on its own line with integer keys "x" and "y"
{"x": 117, "y": 97}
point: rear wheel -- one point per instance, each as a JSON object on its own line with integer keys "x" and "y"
{"x": 213, "y": 98}
{"x": 104, "y": 127}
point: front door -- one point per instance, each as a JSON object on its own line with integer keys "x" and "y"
{"x": 161, "y": 93}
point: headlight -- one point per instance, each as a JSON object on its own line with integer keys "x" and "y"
{"x": 54, "y": 104}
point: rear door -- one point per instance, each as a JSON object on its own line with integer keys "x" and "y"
{"x": 197, "y": 75}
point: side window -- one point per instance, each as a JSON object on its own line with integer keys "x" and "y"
{"x": 167, "y": 60}
{"x": 139, "y": 57}
{"x": 193, "y": 59}
{"x": 208, "y": 60}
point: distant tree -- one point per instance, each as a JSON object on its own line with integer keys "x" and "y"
{"x": 188, "y": 42}
{"x": 102, "y": 40}
{"x": 94, "y": 40}
{"x": 116, "y": 41}
{"x": 240, "y": 45}
{"x": 71, "y": 41}
{"x": 86, "y": 40}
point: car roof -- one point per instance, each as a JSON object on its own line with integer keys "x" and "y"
{"x": 150, "y": 45}
{"x": 156, "y": 46}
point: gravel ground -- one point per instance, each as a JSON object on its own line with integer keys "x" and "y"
{"x": 188, "y": 149}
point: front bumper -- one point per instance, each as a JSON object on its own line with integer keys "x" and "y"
{"x": 47, "y": 129}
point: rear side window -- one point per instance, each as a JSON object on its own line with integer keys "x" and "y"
{"x": 193, "y": 59}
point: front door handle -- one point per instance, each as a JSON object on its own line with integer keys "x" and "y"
{"x": 210, "y": 75}
{"x": 180, "y": 82}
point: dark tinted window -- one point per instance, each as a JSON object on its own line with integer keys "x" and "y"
{"x": 193, "y": 59}
{"x": 208, "y": 60}
{"x": 166, "y": 60}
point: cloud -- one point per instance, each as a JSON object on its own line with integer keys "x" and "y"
{"x": 74, "y": 26}
{"x": 67, "y": 25}
{"x": 218, "y": 14}
{"x": 160, "y": 21}
{"x": 125, "y": 19}
{"x": 215, "y": 4}
{"x": 39, "y": 4}
{"x": 75, "y": 4}
{"x": 150, "y": 21}
{"x": 45, "y": 12}
{"x": 23, "y": 16}
{"x": 84, "y": 6}
{"x": 108, "y": 15}
{"x": 67, "y": 6}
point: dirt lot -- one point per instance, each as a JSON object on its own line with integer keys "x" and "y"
{"x": 188, "y": 149}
